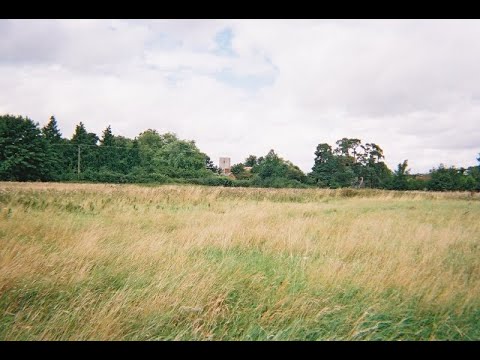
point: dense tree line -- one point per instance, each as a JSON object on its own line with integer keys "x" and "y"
{"x": 31, "y": 153}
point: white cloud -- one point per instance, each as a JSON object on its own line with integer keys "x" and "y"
{"x": 410, "y": 86}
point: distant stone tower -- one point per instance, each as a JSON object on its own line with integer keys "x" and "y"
{"x": 224, "y": 165}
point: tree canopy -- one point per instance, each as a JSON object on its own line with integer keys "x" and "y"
{"x": 30, "y": 153}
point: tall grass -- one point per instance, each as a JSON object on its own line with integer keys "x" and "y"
{"x": 127, "y": 262}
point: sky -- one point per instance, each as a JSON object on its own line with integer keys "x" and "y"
{"x": 240, "y": 87}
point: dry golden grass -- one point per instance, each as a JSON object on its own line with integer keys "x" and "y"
{"x": 83, "y": 261}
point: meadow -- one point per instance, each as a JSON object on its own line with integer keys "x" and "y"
{"x": 184, "y": 262}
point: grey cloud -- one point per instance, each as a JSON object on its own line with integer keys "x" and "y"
{"x": 26, "y": 41}
{"x": 79, "y": 44}
{"x": 378, "y": 71}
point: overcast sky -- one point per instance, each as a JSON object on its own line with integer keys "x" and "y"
{"x": 240, "y": 87}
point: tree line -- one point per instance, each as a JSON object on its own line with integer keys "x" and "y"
{"x": 29, "y": 152}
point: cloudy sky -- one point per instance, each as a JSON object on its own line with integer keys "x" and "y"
{"x": 240, "y": 87}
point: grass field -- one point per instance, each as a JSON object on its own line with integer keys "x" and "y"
{"x": 125, "y": 262}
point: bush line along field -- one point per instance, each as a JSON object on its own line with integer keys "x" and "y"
{"x": 129, "y": 262}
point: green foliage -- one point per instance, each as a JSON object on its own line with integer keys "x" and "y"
{"x": 213, "y": 181}
{"x": 28, "y": 153}
{"x": 273, "y": 170}
{"x": 324, "y": 166}
{"x": 24, "y": 152}
{"x": 350, "y": 164}
{"x": 51, "y": 132}
{"x": 240, "y": 172}
{"x": 348, "y": 148}
{"x": 56, "y": 150}
{"x": 400, "y": 177}
{"x": 107, "y": 139}
{"x": 180, "y": 158}
{"x": 150, "y": 142}
{"x": 251, "y": 161}
{"x": 415, "y": 182}
{"x": 82, "y": 137}
{"x": 474, "y": 172}
{"x": 210, "y": 165}
{"x": 449, "y": 179}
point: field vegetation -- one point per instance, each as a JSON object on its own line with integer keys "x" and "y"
{"x": 186, "y": 262}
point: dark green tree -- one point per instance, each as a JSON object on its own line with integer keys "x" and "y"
{"x": 271, "y": 166}
{"x": 108, "y": 139}
{"x": 150, "y": 142}
{"x": 240, "y": 172}
{"x": 474, "y": 172}
{"x": 51, "y": 132}
{"x": 24, "y": 152}
{"x": 209, "y": 165}
{"x": 400, "y": 177}
{"x": 333, "y": 168}
{"x": 58, "y": 151}
{"x": 251, "y": 161}
{"x": 371, "y": 168}
{"x": 451, "y": 179}
{"x": 348, "y": 148}
{"x": 324, "y": 165}
{"x": 110, "y": 156}
{"x": 274, "y": 171}
{"x": 82, "y": 137}
{"x": 133, "y": 158}
{"x": 90, "y": 159}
